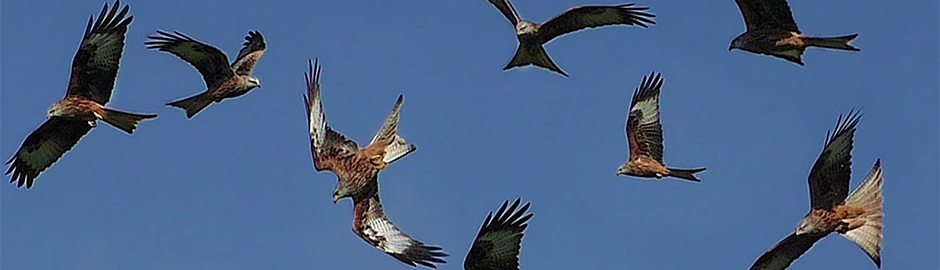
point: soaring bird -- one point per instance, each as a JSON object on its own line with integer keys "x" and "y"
{"x": 499, "y": 240}
{"x": 645, "y": 135}
{"x": 223, "y": 80}
{"x": 357, "y": 170}
{"x": 533, "y": 35}
{"x": 771, "y": 30}
{"x": 94, "y": 70}
{"x": 856, "y": 216}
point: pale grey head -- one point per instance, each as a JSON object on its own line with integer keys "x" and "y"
{"x": 526, "y": 28}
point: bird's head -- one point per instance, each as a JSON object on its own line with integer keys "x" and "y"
{"x": 341, "y": 191}
{"x": 55, "y": 110}
{"x": 525, "y": 27}
{"x": 254, "y": 82}
{"x": 624, "y": 170}
{"x": 806, "y": 226}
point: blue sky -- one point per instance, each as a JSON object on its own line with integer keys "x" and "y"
{"x": 234, "y": 187}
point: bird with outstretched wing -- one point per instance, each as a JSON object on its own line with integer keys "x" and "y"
{"x": 497, "y": 245}
{"x": 532, "y": 35}
{"x": 223, "y": 80}
{"x": 645, "y": 135}
{"x": 357, "y": 172}
{"x": 771, "y": 30}
{"x": 94, "y": 70}
{"x": 857, "y": 216}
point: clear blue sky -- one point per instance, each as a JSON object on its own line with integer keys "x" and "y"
{"x": 234, "y": 188}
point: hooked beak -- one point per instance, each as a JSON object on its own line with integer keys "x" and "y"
{"x": 335, "y": 198}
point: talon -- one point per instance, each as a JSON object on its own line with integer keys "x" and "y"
{"x": 91, "y": 123}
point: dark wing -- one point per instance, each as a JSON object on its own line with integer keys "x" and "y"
{"x": 785, "y": 252}
{"x": 210, "y": 61}
{"x": 96, "y": 63}
{"x": 397, "y": 147}
{"x": 249, "y": 54}
{"x": 326, "y": 145}
{"x": 43, "y": 147}
{"x": 767, "y": 14}
{"x": 829, "y": 178}
{"x": 506, "y": 8}
{"x": 373, "y": 226}
{"x": 644, "y": 132}
{"x": 593, "y": 16}
{"x": 499, "y": 240}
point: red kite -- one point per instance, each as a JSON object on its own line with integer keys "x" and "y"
{"x": 645, "y": 135}
{"x": 94, "y": 70}
{"x": 771, "y": 30}
{"x": 499, "y": 240}
{"x": 856, "y": 216}
{"x": 357, "y": 170}
{"x": 533, "y": 35}
{"x": 222, "y": 80}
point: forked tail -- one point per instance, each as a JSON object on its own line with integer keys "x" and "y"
{"x": 124, "y": 120}
{"x": 192, "y": 104}
{"x": 868, "y": 197}
{"x": 526, "y": 55}
{"x": 841, "y": 43}
{"x": 687, "y": 174}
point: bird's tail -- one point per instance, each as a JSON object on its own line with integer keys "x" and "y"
{"x": 526, "y": 55}
{"x": 867, "y": 197}
{"x": 124, "y": 120}
{"x": 687, "y": 174}
{"x": 841, "y": 43}
{"x": 192, "y": 104}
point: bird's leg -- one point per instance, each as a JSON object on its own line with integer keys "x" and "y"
{"x": 850, "y": 224}
{"x": 91, "y": 123}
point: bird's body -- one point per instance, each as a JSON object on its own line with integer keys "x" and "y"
{"x": 533, "y": 35}
{"x": 94, "y": 70}
{"x": 645, "y": 136}
{"x": 772, "y": 31}
{"x": 857, "y": 216}
{"x": 357, "y": 170}
{"x": 223, "y": 80}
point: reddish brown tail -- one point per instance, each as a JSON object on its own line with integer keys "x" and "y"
{"x": 868, "y": 197}
{"x": 687, "y": 174}
{"x": 840, "y": 43}
{"x": 124, "y": 120}
{"x": 192, "y": 104}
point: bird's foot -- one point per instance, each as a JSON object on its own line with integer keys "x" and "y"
{"x": 378, "y": 162}
{"x": 92, "y": 123}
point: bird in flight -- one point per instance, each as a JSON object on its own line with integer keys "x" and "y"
{"x": 94, "y": 70}
{"x": 497, "y": 245}
{"x": 856, "y": 216}
{"x": 223, "y": 80}
{"x": 645, "y": 135}
{"x": 771, "y": 30}
{"x": 533, "y": 35}
{"x": 357, "y": 170}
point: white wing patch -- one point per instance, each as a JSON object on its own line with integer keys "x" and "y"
{"x": 649, "y": 109}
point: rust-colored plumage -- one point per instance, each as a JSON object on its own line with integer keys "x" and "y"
{"x": 532, "y": 35}
{"x": 94, "y": 70}
{"x": 357, "y": 171}
{"x": 771, "y": 30}
{"x": 857, "y": 216}
{"x": 223, "y": 80}
{"x": 645, "y": 135}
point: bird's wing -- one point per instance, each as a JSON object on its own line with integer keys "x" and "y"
{"x": 786, "y": 251}
{"x": 767, "y": 14}
{"x": 506, "y": 8}
{"x": 249, "y": 54}
{"x": 582, "y": 17}
{"x": 644, "y": 131}
{"x": 210, "y": 61}
{"x": 326, "y": 145}
{"x": 829, "y": 178}
{"x": 43, "y": 147}
{"x": 373, "y": 226}
{"x": 397, "y": 147}
{"x": 99, "y": 56}
{"x": 499, "y": 240}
